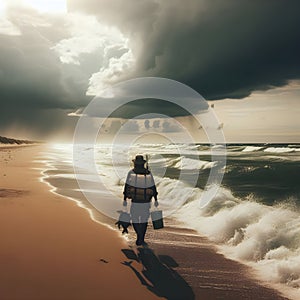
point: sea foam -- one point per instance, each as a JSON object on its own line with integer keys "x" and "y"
{"x": 281, "y": 149}
{"x": 251, "y": 149}
{"x": 266, "y": 237}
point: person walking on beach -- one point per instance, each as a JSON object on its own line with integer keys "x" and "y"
{"x": 140, "y": 188}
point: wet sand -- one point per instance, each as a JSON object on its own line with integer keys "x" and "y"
{"x": 209, "y": 274}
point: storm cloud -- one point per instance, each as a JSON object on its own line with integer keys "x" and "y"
{"x": 46, "y": 63}
{"x": 52, "y": 65}
{"x": 223, "y": 49}
{"x": 34, "y": 86}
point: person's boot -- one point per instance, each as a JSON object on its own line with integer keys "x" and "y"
{"x": 143, "y": 233}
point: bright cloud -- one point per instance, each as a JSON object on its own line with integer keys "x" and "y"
{"x": 110, "y": 74}
{"x": 8, "y": 28}
{"x": 88, "y": 36}
{"x": 52, "y": 6}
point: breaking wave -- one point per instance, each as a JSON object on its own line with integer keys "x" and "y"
{"x": 268, "y": 237}
{"x": 185, "y": 163}
{"x": 281, "y": 149}
{"x": 252, "y": 149}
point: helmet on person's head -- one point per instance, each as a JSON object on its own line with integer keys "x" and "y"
{"x": 139, "y": 160}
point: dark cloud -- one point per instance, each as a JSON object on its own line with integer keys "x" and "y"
{"x": 31, "y": 76}
{"x": 37, "y": 124}
{"x": 131, "y": 15}
{"x": 141, "y": 108}
{"x": 220, "y": 48}
{"x": 146, "y": 98}
{"x": 36, "y": 90}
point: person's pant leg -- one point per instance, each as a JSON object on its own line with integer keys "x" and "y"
{"x": 140, "y": 213}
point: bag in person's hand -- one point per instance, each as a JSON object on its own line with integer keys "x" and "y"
{"x": 157, "y": 219}
{"x": 124, "y": 221}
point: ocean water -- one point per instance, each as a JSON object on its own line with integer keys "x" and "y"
{"x": 253, "y": 218}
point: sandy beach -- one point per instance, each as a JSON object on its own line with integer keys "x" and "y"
{"x": 51, "y": 249}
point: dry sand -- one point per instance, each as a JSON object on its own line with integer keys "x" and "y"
{"x": 51, "y": 249}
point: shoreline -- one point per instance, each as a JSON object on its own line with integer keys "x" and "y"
{"x": 51, "y": 249}
{"x": 191, "y": 263}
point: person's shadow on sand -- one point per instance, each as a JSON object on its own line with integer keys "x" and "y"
{"x": 158, "y": 274}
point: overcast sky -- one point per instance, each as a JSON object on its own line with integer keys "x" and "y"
{"x": 241, "y": 55}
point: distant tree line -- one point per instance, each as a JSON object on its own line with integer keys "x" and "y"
{"x": 5, "y": 140}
